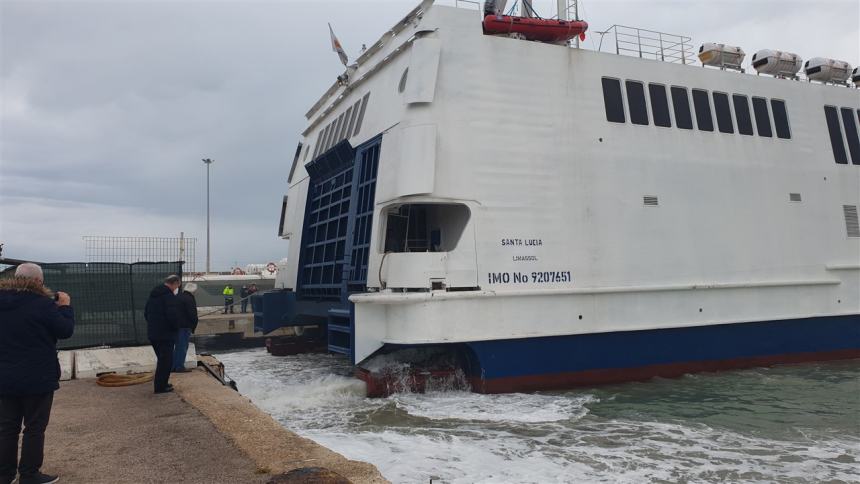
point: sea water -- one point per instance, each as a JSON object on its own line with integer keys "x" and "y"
{"x": 793, "y": 423}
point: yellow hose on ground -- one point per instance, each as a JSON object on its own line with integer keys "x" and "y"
{"x": 114, "y": 380}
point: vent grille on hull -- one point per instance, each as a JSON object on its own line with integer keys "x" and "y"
{"x": 650, "y": 201}
{"x": 852, "y": 227}
{"x": 793, "y": 197}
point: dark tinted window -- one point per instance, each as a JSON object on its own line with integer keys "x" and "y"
{"x": 762, "y": 118}
{"x": 338, "y": 129}
{"x": 329, "y": 131}
{"x": 703, "y": 110}
{"x": 361, "y": 113}
{"x": 851, "y": 135}
{"x": 321, "y": 141}
{"x": 742, "y": 114}
{"x": 780, "y": 118}
{"x": 835, "y": 135}
{"x": 659, "y": 105}
{"x": 612, "y": 100}
{"x": 352, "y": 118}
{"x": 681, "y": 105}
{"x": 636, "y": 102}
{"x": 724, "y": 113}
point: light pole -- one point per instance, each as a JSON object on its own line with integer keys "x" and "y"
{"x": 208, "y": 163}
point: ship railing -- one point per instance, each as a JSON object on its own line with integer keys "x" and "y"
{"x": 649, "y": 44}
{"x": 468, "y": 4}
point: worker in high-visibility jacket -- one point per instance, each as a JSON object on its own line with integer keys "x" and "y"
{"x": 228, "y": 298}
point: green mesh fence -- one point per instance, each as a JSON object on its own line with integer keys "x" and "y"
{"x": 108, "y": 298}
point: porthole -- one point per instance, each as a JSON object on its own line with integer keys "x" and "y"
{"x": 402, "y": 86}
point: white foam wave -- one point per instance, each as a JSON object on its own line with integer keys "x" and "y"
{"x": 516, "y": 407}
{"x": 459, "y": 437}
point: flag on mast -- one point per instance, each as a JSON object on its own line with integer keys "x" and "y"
{"x": 335, "y": 46}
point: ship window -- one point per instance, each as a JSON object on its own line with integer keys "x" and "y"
{"x": 724, "y": 113}
{"x": 402, "y": 86}
{"x": 636, "y": 102}
{"x": 851, "y": 135}
{"x": 430, "y": 227}
{"x": 296, "y": 161}
{"x": 659, "y": 105}
{"x": 762, "y": 117}
{"x": 703, "y": 110}
{"x": 352, "y": 119}
{"x": 361, "y": 114}
{"x": 338, "y": 130}
{"x": 283, "y": 217}
{"x": 852, "y": 225}
{"x": 780, "y": 118}
{"x": 836, "y": 142}
{"x": 331, "y": 134}
{"x": 344, "y": 132}
{"x": 612, "y": 100}
{"x": 329, "y": 131}
{"x": 742, "y": 114}
{"x": 681, "y": 104}
{"x": 320, "y": 142}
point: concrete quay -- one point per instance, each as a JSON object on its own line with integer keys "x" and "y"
{"x": 241, "y": 323}
{"x": 202, "y": 433}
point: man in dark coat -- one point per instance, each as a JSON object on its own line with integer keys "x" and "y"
{"x": 251, "y": 291}
{"x": 243, "y": 295}
{"x": 31, "y": 322}
{"x": 187, "y": 325}
{"x": 162, "y": 324}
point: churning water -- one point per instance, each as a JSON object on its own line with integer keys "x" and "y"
{"x": 798, "y": 423}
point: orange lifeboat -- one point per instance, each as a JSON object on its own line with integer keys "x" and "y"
{"x": 540, "y": 29}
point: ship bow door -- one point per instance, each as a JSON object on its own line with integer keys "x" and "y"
{"x": 336, "y": 236}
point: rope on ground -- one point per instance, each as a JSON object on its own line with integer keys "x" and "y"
{"x": 114, "y": 380}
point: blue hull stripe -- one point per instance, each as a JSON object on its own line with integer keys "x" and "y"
{"x": 633, "y": 349}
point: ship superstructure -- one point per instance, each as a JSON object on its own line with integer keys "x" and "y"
{"x": 554, "y": 216}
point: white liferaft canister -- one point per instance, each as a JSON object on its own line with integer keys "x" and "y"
{"x": 721, "y": 55}
{"x": 827, "y": 70}
{"x": 776, "y": 63}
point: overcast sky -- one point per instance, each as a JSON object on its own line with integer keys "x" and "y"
{"x": 107, "y": 107}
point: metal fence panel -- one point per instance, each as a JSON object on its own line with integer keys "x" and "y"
{"x": 108, "y": 298}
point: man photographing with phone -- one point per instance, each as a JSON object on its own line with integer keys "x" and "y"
{"x": 31, "y": 322}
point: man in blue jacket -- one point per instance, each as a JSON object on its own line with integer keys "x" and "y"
{"x": 31, "y": 322}
{"x": 162, "y": 325}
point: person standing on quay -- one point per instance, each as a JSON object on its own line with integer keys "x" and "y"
{"x": 31, "y": 322}
{"x": 162, "y": 324}
{"x": 228, "y": 298}
{"x": 187, "y": 325}
{"x": 243, "y": 296}
{"x": 251, "y": 290}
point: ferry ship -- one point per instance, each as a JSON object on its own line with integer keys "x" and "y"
{"x": 550, "y": 216}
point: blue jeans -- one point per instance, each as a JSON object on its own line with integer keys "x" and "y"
{"x": 180, "y": 348}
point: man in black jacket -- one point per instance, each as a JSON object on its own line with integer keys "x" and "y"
{"x": 243, "y": 297}
{"x": 162, "y": 323}
{"x": 187, "y": 325}
{"x": 31, "y": 322}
